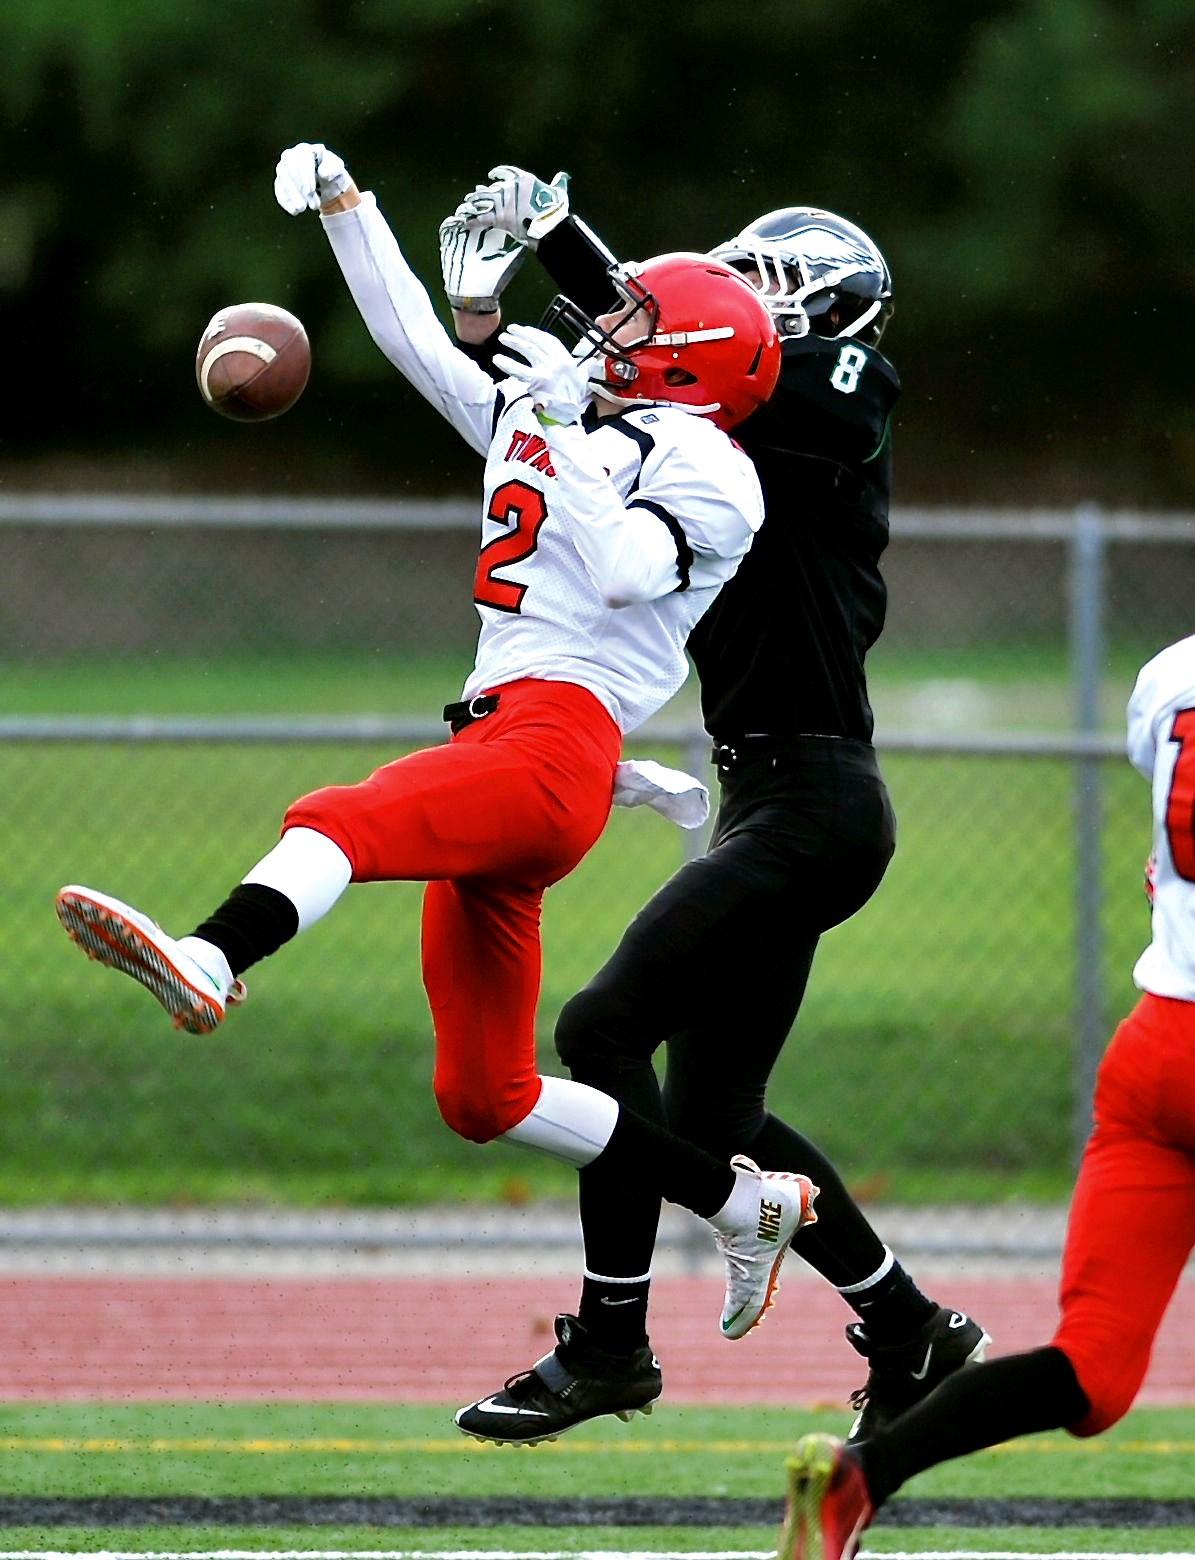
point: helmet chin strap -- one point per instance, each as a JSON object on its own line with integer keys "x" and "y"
{"x": 865, "y": 318}
{"x": 602, "y": 390}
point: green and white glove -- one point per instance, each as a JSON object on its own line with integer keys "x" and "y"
{"x": 476, "y": 264}
{"x": 517, "y": 203}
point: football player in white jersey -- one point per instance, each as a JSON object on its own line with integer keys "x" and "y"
{"x": 805, "y": 828}
{"x": 615, "y": 507}
{"x": 1131, "y": 1229}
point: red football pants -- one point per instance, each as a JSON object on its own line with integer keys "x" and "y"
{"x": 1132, "y": 1218}
{"x": 489, "y": 820}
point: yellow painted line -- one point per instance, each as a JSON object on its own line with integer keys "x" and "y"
{"x": 361, "y": 1446}
{"x": 1103, "y": 1447}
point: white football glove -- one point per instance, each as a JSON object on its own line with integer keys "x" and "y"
{"x": 558, "y": 384}
{"x": 477, "y": 264}
{"x": 517, "y": 203}
{"x": 307, "y": 175}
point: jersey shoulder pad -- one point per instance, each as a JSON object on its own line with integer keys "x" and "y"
{"x": 1167, "y": 680}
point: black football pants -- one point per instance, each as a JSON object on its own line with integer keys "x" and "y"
{"x": 714, "y": 967}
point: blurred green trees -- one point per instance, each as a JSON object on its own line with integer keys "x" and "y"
{"x": 1023, "y": 164}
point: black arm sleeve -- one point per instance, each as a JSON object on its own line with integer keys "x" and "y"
{"x": 577, "y": 261}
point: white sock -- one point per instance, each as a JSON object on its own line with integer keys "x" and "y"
{"x": 741, "y": 1208}
{"x": 309, "y": 868}
{"x": 210, "y": 960}
{"x": 570, "y": 1121}
{"x": 882, "y": 1271}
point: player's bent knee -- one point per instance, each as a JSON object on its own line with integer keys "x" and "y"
{"x": 476, "y": 1118}
{"x": 1109, "y": 1393}
{"x": 723, "y": 1127}
{"x": 1109, "y": 1403}
{"x": 588, "y": 1034}
{"x": 324, "y": 811}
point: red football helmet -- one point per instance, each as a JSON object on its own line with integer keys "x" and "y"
{"x": 710, "y": 344}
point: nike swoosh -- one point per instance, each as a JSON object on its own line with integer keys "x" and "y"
{"x": 492, "y": 1406}
{"x": 919, "y": 1375}
{"x": 607, "y": 1301}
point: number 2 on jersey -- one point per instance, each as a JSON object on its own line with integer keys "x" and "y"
{"x": 522, "y": 507}
{"x": 1180, "y": 804}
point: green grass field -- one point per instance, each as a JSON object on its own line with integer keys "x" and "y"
{"x": 953, "y": 983}
{"x": 1009, "y": 688}
{"x": 502, "y": 1542}
{"x": 167, "y": 1451}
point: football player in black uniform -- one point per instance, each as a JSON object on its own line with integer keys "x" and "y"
{"x": 715, "y": 966}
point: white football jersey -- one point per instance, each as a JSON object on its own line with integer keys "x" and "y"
{"x": 1161, "y": 744}
{"x": 602, "y": 544}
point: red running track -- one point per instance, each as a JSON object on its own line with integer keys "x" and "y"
{"x": 415, "y": 1339}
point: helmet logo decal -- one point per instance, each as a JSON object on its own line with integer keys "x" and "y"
{"x": 816, "y": 271}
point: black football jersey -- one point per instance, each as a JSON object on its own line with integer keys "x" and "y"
{"x": 781, "y": 650}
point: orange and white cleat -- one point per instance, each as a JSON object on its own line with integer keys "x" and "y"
{"x": 828, "y": 1504}
{"x": 753, "y": 1254}
{"x": 124, "y": 939}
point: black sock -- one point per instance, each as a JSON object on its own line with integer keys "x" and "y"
{"x": 978, "y": 1406}
{"x": 893, "y": 1309}
{"x": 253, "y": 922}
{"x": 620, "y": 1212}
{"x": 614, "y": 1311}
{"x": 619, "y": 1197}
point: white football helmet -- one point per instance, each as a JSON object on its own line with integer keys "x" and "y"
{"x": 816, "y": 271}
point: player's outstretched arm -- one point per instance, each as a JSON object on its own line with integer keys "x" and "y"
{"x": 391, "y": 299}
{"x": 517, "y": 203}
{"x": 487, "y": 239}
{"x": 477, "y": 265}
{"x": 311, "y": 178}
{"x": 538, "y": 214}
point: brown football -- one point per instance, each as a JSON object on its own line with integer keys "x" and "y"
{"x": 253, "y": 361}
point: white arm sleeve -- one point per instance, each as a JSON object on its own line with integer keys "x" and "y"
{"x": 628, "y": 554}
{"x": 399, "y": 316}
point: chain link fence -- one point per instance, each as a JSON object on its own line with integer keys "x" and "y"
{"x": 178, "y": 670}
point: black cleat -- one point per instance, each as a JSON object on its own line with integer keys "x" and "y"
{"x": 576, "y": 1382}
{"x": 902, "y": 1374}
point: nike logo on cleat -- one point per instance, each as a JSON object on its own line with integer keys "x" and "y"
{"x": 492, "y": 1406}
{"x": 769, "y": 1221}
{"x": 919, "y": 1375}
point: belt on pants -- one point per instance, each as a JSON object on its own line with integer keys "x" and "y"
{"x": 757, "y": 747}
{"x": 467, "y": 711}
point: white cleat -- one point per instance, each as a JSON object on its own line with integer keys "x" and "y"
{"x": 753, "y": 1254}
{"x": 124, "y": 939}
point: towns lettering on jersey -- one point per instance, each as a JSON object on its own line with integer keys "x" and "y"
{"x": 532, "y": 449}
